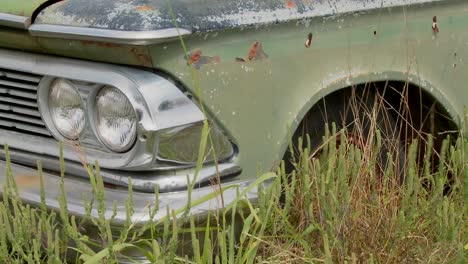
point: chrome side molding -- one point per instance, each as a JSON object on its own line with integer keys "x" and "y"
{"x": 14, "y": 21}
{"x": 106, "y": 35}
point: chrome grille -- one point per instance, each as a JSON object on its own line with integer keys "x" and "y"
{"x": 18, "y": 103}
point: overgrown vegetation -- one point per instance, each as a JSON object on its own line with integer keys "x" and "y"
{"x": 331, "y": 209}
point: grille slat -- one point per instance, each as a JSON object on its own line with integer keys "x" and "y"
{"x": 24, "y": 127}
{"x": 18, "y": 92}
{"x": 21, "y": 118}
{"x": 20, "y": 110}
{"x": 20, "y": 85}
{"x": 18, "y": 103}
{"x": 20, "y": 76}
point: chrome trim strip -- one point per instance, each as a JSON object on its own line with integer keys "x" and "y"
{"x": 28, "y": 184}
{"x": 14, "y": 21}
{"x": 106, "y": 35}
{"x": 144, "y": 181}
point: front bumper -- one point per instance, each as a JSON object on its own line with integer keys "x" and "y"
{"x": 29, "y": 191}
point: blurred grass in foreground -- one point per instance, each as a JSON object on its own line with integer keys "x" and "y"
{"x": 331, "y": 209}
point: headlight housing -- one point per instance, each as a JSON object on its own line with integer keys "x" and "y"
{"x": 115, "y": 119}
{"x": 132, "y": 121}
{"x": 181, "y": 144}
{"x": 66, "y": 109}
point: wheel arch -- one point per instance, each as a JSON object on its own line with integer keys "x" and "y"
{"x": 439, "y": 95}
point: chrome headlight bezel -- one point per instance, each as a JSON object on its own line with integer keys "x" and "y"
{"x": 56, "y": 85}
{"x": 93, "y": 114}
{"x": 43, "y": 94}
{"x": 159, "y": 104}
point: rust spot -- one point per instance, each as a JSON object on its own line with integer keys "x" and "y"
{"x": 197, "y": 59}
{"x": 194, "y": 57}
{"x": 27, "y": 180}
{"x": 144, "y": 8}
{"x": 290, "y": 4}
{"x": 110, "y": 186}
{"x": 142, "y": 57}
{"x": 256, "y": 52}
{"x": 308, "y": 42}
{"x": 435, "y": 27}
{"x": 100, "y": 44}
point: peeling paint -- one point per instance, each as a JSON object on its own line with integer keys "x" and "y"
{"x": 199, "y": 15}
{"x": 435, "y": 27}
{"x": 197, "y": 59}
{"x": 256, "y": 52}
{"x": 308, "y": 42}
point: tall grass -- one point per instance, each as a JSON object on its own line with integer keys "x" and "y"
{"x": 328, "y": 209}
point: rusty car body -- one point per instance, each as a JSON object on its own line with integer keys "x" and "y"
{"x": 260, "y": 66}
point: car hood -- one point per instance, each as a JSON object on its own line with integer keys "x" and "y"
{"x": 20, "y": 7}
{"x": 197, "y": 15}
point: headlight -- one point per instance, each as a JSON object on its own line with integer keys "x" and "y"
{"x": 66, "y": 109}
{"x": 115, "y": 119}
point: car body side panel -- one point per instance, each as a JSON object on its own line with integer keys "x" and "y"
{"x": 199, "y": 15}
{"x": 256, "y": 100}
{"x": 20, "y": 7}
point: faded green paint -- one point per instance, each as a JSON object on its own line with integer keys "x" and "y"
{"x": 257, "y": 101}
{"x": 20, "y": 7}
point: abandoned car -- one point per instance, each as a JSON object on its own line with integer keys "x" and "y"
{"x": 129, "y": 83}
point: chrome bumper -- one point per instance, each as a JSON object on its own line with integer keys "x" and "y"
{"x": 28, "y": 184}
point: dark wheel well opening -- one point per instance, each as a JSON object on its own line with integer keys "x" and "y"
{"x": 416, "y": 113}
{"x": 417, "y": 110}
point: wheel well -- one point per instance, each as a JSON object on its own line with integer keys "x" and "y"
{"x": 416, "y": 112}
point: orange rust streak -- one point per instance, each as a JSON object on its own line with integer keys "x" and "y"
{"x": 100, "y": 44}
{"x": 26, "y": 180}
{"x": 194, "y": 57}
{"x": 253, "y": 50}
{"x": 144, "y": 8}
{"x": 142, "y": 57}
{"x": 290, "y": 4}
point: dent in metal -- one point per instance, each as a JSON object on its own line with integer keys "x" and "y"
{"x": 14, "y": 21}
{"x": 198, "y": 15}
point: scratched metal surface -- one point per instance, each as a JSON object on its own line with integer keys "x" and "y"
{"x": 199, "y": 15}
